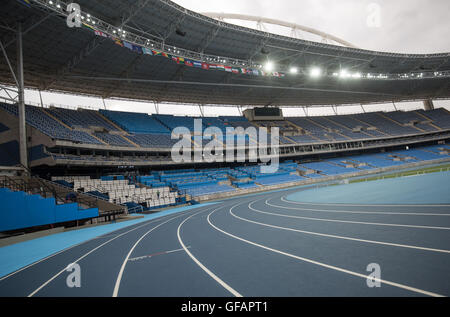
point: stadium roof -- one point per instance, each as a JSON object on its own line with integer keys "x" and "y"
{"x": 75, "y": 60}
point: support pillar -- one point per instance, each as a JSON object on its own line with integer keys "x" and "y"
{"x": 21, "y": 94}
{"x": 428, "y": 104}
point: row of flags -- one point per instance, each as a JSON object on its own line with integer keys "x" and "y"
{"x": 188, "y": 62}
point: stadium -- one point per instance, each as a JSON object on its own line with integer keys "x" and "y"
{"x": 252, "y": 189}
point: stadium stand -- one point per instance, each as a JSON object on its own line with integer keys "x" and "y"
{"x": 22, "y": 210}
{"x": 143, "y": 130}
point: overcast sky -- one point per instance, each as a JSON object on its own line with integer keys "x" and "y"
{"x": 404, "y": 26}
{"x": 407, "y": 26}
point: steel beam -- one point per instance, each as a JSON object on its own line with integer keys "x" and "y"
{"x": 21, "y": 90}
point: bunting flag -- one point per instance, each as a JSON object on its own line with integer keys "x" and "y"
{"x": 181, "y": 60}
{"x": 128, "y": 45}
{"x": 147, "y": 51}
{"x": 88, "y": 26}
{"x": 100, "y": 33}
{"x": 118, "y": 42}
{"x": 26, "y": 2}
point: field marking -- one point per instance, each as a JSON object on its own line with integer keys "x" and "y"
{"x": 88, "y": 253}
{"x": 74, "y": 246}
{"x": 335, "y": 268}
{"x": 340, "y": 237}
{"x": 124, "y": 264}
{"x": 355, "y": 211}
{"x": 345, "y": 221}
{"x": 204, "y": 268}
{"x": 154, "y": 254}
{"x": 361, "y": 205}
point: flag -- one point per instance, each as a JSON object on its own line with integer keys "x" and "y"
{"x": 255, "y": 72}
{"x": 243, "y": 70}
{"x": 137, "y": 49}
{"x": 88, "y": 26}
{"x": 220, "y": 67}
{"x": 100, "y": 33}
{"x": 180, "y": 60}
{"x": 189, "y": 63}
{"x": 198, "y": 64}
{"x": 118, "y": 42}
{"x": 165, "y": 55}
{"x": 205, "y": 66}
{"x": 228, "y": 69}
{"x": 128, "y": 45}
{"x": 235, "y": 70}
{"x": 26, "y": 2}
{"x": 213, "y": 66}
{"x": 147, "y": 51}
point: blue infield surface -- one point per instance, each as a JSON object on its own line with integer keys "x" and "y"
{"x": 431, "y": 188}
{"x": 259, "y": 245}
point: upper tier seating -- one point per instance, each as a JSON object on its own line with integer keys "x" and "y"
{"x": 385, "y": 125}
{"x": 440, "y": 117}
{"x": 136, "y": 122}
{"x": 47, "y": 125}
{"x": 81, "y": 118}
{"x": 155, "y": 131}
{"x": 412, "y": 116}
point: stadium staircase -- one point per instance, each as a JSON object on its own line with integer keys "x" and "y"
{"x": 429, "y": 119}
{"x": 398, "y": 123}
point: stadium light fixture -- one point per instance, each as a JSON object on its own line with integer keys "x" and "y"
{"x": 315, "y": 72}
{"x": 356, "y": 75}
{"x": 268, "y": 66}
{"x": 294, "y": 70}
{"x": 343, "y": 73}
{"x": 50, "y": 2}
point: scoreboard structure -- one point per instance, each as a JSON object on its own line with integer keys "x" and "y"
{"x": 264, "y": 114}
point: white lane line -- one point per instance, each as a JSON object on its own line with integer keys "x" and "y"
{"x": 85, "y": 255}
{"x": 335, "y": 268}
{"x": 358, "y": 211}
{"x": 122, "y": 268}
{"x": 361, "y": 205}
{"x": 155, "y": 254}
{"x": 345, "y": 221}
{"x": 67, "y": 249}
{"x": 204, "y": 268}
{"x": 339, "y": 237}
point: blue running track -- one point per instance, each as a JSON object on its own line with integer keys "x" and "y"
{"x": 260, "y": 245}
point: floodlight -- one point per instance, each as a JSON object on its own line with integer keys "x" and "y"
{"x": 315, "y": 72}
{"x": 269, "y": 66}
